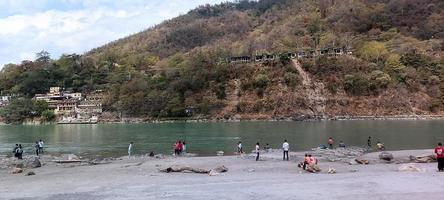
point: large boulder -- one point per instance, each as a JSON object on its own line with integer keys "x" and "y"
{"x": 33, "y": 162}
{"x": 386, "y": 156}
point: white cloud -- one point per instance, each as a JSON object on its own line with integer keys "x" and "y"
{"x": 36, "y": 26}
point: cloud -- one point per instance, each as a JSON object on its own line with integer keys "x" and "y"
{"x": 76, "y": 26}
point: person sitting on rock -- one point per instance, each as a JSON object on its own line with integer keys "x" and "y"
{"x": 305, "y": 162}
{"x": 380, "y": 146}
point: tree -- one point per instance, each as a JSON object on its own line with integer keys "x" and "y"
{"x": 43, "y": 57}
{"x": 373, "y": 51}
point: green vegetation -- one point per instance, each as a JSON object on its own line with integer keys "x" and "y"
{"x": 21, "y": 109}
{"x": 181, "y": 63}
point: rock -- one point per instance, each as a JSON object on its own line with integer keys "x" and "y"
{"x": 19, "y": 165}
{"x": 73, "y": 157}
{"x": 220, "y": 153}
{"x": 251, "y": 170}
{"x": 17, "y": 171}
{"x": 352, "y": 162}
{"x": 313, "y": 168}
{"x": 331, "y": 170}
{"x": 218, "y": 170}
{"x": 410, "y": 167}
{"x": 33, "y": 162}
{"x": 423, "y": 158}
{"x": 386, "y": 156}
{"x": 354, "y": 170}
{"x": 361, "y": 161}
{"x": 30, "y": 174}
{"x": 159, "y": 156}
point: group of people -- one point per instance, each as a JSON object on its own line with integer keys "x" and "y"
{"x": 180, "y": 147}
{"x": 18, "y": 149}
{"x": 38, "y": 146}
{"x": 310, "y": 163}
{"x": 257, "y": 149}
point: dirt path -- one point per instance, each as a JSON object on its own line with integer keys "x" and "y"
{"x": 314, "y": 91}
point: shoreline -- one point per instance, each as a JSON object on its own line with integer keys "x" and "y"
{"x": 141, "y": 178}
{"x": 301, "y": 118}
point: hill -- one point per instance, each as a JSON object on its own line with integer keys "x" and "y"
{"x": 179, "y": 68}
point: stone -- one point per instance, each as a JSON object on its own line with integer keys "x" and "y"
{"x": 30, "y": 174}
{"x": 33, "y": 162}
{"x": 313, "y": 168}
{"x": 220, "y": 153}
{"x": 386, "y": 156}
{"x": 423, "y": 158}
{"x": 19, "y": 165}
{"x": 362, "y": 161}
{"x": 331, "y": 170}
{"x": 352, "y": 162}
{"x": 410, "y": 167}
{"x": 17, "y": 171}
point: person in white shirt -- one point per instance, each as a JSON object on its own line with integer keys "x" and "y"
{"x": 41, "y": 144}
{"x": 258, "y": 148}
{"x": 239, "y": 148}
{"x": 130, "y": 149}
{"x": 285, "y": 147}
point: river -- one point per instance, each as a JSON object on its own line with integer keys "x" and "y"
{"x": 207, "y": 138}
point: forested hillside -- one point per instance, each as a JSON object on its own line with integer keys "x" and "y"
{"x": 180, "y": 65}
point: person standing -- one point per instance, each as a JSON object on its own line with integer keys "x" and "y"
{"x": 285, "y": 148}
{"x": 176, "y": 148}
{"x": 180, "y": 147}
{"x": 369, "y": 142}
{"x": 239, "y": 148}
{"x": 439, "y": 150}
{"x": 15, "y": 151}
{"x": 130, "y": 149}
{"x": 330, "y": 142}
{"x": 37, "y": 148}
{"x": 41, "y": 144}
{"x": 184, "y": 144}
{"x": 19, "y": 152}
{"x": 258, "y": 148}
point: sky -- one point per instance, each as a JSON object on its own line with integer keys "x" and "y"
{"x": 76, "y": 26}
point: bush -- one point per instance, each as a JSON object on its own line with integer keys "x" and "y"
{"x": 356, "y": 84}
{"x": 261, "y": 81}
{"x": 291, "y": 79}
{"x": 48, "y": 115}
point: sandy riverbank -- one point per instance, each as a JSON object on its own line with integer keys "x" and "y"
{"x": 270, "y": 178}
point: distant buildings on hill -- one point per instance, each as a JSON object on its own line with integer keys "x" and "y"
{"x": 72, "y": 104}
{"x": 293, "y": 55}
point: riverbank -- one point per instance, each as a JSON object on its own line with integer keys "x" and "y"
{"x": 269, "y": 178}
{"x": 252, "y": 118}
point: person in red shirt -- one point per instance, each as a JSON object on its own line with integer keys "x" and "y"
{"x": 439, "y": 150}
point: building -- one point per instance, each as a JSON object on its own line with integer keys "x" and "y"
{"x": 72, "y": 104}
{"x": 66, "y": 107}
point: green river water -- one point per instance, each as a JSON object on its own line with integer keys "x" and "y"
{"x": 206, "y": 139}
